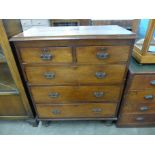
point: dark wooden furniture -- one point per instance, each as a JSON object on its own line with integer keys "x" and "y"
{"x": 138, "y": 104}
{"x": 14, "y": 103}
{"x": 127, "y": 24}
{"x": 70, "y": 22}
{"x": 75, "y": 72}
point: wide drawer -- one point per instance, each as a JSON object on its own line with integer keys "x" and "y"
{"x": 143, "y": 82}
{"x": 46, "y": 55}
{"x": 102, "y": 54}
{"x": 65, "y": 94}
{"x": 77, "y": 111}
{"x": 133, "y": 120}
{"x": 105, "y": 74}
{"x": 141, "y": 96}
{"x": 138, "y": 108}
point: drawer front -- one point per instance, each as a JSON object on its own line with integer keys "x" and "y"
{"x": 141, "y": 96}
{"x": 77, "y": 111}
{"x": 106, "y": 74}
{"x": 138, "y": 108}
{"x": 145, "y": 119}
{"x": 102, "y": 54}
{"x": 65, "y": 94}
{"x": 46, "y": 55}
{"x": 143, "y": 82}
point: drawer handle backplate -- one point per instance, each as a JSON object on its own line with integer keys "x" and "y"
{"x": 144, "y": 108}
{"x": 148, "y": 97}
{"x": 96, "y": 110}
{"x": 139, "y": 118}
{"x": 56, "y": 111}
{"x": 98, "y": 94}
{"x": 100, "y": 75}
{"x": 49, "y": 75}
{"x": 54, "y": 95}
{"x": 102, "y": 55}
{"x": 46, "y": 56}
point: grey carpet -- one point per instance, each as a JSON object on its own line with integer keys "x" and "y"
{"x": 69, "y": 128}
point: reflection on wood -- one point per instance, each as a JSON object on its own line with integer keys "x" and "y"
{"x": 2, "y": 58}
{"x": 6, "y": 81}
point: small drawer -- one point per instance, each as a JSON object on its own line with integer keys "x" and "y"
{"x": 138, "y": 108}
{"x": 86, "y": 74}
{"x": 76, "y": 94}
{"x": 46, "y": 55}
{"x": 102, "y": 54}
{"x": 136, "y": 120}
{"x": 141, "y": 96}
{"x": 77, "y": 111}
{"x": 143, "y": 82}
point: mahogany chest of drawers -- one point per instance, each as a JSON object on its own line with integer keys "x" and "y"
{"x": 75, "y": 72}
{"x": 138, "y": 104}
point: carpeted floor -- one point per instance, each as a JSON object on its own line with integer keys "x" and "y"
{"x": 69, "y": 128}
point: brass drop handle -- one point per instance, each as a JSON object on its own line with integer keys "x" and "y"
{"x": 144, "y": 108}
{"x": 56, "y": 111}
{"x": 49, "y": 75}
{"x": 96, "y": 110}
{"x": 152, "y": 82}
{"x": 139, "y": 118}
{"x": 148, "y": 97}
{"x": 54, "y": 95}
{"x": 100, "y": 75}
{"x": 102, "y": 55}
{"x": 98, "y": 94}
{"x": 46, "y": 56}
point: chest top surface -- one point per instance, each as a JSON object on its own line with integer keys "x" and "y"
{"x": 137, "y": 68}
{"x": 74, "y": 32}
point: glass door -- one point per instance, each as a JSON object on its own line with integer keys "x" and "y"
{"x": 141, "y": 36}
{"x": 7, "y": 85}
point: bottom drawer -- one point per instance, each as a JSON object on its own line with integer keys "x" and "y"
{"x": 136, "y": 120}
{"x": 77, "y": 110}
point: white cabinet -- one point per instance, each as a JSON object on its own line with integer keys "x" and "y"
{"x": 28, "y": 23}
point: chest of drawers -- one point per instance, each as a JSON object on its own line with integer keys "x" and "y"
{"x": 75, "y": 72}
{"x": 138, "y": 104}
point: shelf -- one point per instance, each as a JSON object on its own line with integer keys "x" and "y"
{"x": 13, "y": 92}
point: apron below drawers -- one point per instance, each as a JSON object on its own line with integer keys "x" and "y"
{"x": 77, "y": 110}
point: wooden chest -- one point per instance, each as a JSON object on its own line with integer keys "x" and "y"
{"x": 75, "y": 72}
{"x": 138, "y": 104}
